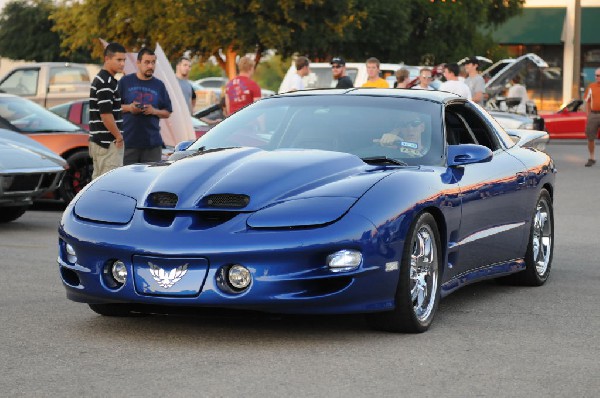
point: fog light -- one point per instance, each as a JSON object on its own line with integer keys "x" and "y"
{"x": 344, "y": 260}
{"x": 239, "y": 277}
{"x": 71, "y": 255}
{"x": 119, "y": 272}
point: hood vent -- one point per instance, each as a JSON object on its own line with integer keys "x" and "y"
{"x": 229, "y": 200}
{"x": 162, "y": 199}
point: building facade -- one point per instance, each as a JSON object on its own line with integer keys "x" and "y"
{"x": 548, "y": 28}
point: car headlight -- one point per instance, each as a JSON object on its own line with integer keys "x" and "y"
{"x": 92, "y": 205}
{"x": 344, "y": 260}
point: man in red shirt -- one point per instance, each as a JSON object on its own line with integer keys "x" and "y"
{"x": 592, "y": 106}
{"x": 241, "y": 90}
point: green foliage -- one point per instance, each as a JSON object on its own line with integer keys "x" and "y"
{"x": 270, "y": 73}
{"x": 410, "y": 31}
{"x": 25, "y": 33}
{"x": 205, "y": 69}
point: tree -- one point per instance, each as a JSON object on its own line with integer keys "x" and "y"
{"x": 25, "y": 32}
{"x": 412, "y": 31}
{"x": 208, "y": 27}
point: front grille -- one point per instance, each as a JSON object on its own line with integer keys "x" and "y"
{"x": 162, "y": 199}
{"x": 229, "y": 200}
{"x": 24, "y": 182}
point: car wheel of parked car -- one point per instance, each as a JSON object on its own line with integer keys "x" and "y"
{"x": 11, "y": 213}
{"x": 418, "y": 292}
{"x": 78, "y": 176}
{"x": 112, "y": 309}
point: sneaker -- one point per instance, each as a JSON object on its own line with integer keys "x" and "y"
{"x": 590, "y": 162}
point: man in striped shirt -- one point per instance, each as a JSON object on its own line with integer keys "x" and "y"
{"x": 106, "y": 124}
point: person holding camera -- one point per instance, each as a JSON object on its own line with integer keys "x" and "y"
{"x": 145, "y": 101}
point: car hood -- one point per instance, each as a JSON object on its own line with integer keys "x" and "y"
{"x": 242, "y": 179}
{"x": 19, "y": 152}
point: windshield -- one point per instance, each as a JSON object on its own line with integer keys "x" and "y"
{"x": 370, "y": 127}
{"x": 29, "y": 117}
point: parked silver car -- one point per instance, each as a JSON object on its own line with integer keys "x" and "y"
{"x": 27, "y": 171}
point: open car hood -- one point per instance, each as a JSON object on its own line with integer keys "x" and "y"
{"x": 497, "y": 83}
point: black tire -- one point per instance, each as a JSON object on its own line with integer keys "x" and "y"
{"x": 122, "y": 310}
{"x": 11, "y": 213}
{"x": 78, "y": 176}
{"x": 540, "y": 247}
{"x": 420, "y": 271}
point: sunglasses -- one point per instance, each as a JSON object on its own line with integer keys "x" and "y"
{"x": 336, "y": 66}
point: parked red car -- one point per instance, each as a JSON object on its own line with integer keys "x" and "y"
{"x": 568, "y": 122}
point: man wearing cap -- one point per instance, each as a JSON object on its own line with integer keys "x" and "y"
{"x": 338, "y": 69}
{"x": 474, "y": 80}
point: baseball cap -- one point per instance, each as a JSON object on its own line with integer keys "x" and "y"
{"x": 472, "y": 60}
{"x": 338, "y": 61}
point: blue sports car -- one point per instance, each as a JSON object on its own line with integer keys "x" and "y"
{"x": 374, "y": 201}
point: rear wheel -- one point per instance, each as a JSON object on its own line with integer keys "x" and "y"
{"x": 418, "y": 292}
{"x": 78, "y": 176}
{"x": 540, "y": 247}
{"x": 11, "y": 213}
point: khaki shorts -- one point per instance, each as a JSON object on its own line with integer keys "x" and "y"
{"x": 105, "y": 159}
{"x": 592, "y": 126}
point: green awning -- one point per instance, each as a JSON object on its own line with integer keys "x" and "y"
{"x": 533, "y": 26}
{"x": 544, "y": 25}
{"x": 590, "y": 18}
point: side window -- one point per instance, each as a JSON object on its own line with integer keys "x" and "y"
{"x": 476, "y": 128}
{"x": 21, "y": 82}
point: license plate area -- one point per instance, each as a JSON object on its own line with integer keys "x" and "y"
{"x": 169, "y": 276}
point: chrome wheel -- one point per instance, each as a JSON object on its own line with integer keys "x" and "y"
{"x": 424, "y": 271}
{"x": 542, "y": 237}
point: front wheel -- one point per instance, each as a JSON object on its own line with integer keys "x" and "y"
{"x": 11, "y": 213}
{"x": 418, "y": 291}
{"x": 78, "y": 176}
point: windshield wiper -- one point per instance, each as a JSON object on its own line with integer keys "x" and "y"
{"x": 383, "y": 160}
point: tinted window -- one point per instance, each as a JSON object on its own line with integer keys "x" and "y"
{"x": 29, "y": 117}
{"x": 351, "y": 123}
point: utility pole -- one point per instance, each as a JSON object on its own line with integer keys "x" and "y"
{"x": 575, "y": 87}
{"x": 572, "y": 51}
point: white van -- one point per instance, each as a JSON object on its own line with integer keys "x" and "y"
{"x": 320, "y": 74}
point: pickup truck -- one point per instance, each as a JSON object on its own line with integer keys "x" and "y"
{"x": 48, "y": 83}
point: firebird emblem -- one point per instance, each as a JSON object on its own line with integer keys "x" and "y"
{"x": 167, "y": 279}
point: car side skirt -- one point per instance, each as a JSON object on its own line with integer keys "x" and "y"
{"x": 479, "y": 274}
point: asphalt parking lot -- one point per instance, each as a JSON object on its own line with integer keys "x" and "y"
{"x": 487, "y": 339}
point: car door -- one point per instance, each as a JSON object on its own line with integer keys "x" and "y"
{"x": 492, "y": 221}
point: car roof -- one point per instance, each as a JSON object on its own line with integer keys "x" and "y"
{"x": 432, "y": 95}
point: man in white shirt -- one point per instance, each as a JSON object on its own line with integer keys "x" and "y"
{"x": 452, "y": 84}
{"x": 425, "y": 76}
{"x": 517, "y": 90}
{"x": 302, "y": 69}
